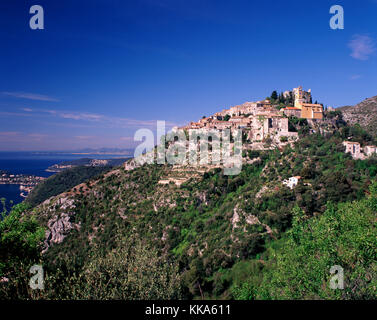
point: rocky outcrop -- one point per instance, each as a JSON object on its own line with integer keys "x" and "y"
{"x": 147, "y": 158}
{"x": 131, "y": 165}
{"x": 58, "y": 228}
{"x": 60, "y": 213}
{"x": 203, "y": 198}
{"x": 364, "y": 113}
{"x": 249, "y": 219}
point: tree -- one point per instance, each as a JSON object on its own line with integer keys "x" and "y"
{"x": 345, "y": 235}
{"x": 133, "y": 270}
{"x": 20, "y": 243}
{"x": 281, "y": 99}
{"x": 274, "y": 95}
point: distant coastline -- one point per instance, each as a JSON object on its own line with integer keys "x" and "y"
{"x": 36, "y": 163}
{"x": 101, "y": 151}
{"x": 87, "y": 162}
{"x": 26, "y": 182}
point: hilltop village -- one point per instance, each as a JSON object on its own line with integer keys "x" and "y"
{"x": 266, "y": 119}
{"x": 266, "y": 124}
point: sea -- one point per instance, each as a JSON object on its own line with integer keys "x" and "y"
{"x": 34, "y": 163}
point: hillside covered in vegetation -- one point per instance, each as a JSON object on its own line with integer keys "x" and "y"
{"x": 124, "y": 235}
{"x": 364, "y": 114}
{"x": 61, "y": 182}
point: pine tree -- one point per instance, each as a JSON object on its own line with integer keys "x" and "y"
{"x": 274, "y": 95}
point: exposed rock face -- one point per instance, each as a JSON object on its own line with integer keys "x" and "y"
{"x": 139, "y": 161}
{"x": 261, "y": 192}
{"x": 66, "y": 203}
{"x": 235, "y": 218}
{"x": 58, "y": 229}
{"x": 130, "y": 165}
{"x": 203, "y": 198}
{"x": 364, "y": 113}
{"x": 62, "y": 222}
{"x": 249, "y": 219}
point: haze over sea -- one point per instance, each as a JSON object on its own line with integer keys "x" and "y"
{"x": 35, "y": 163}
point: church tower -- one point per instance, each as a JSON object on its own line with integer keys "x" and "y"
{"x": 301, "y": 97}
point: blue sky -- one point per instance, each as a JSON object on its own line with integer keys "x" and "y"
{"x": 102, "y": 69}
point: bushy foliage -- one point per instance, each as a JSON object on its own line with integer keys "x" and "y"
{"x": 222, "y": 231}
{"x": 61, "y": 182}
{"x": 20, "y": 243}
{"x": 344, "y": 235}
{"x": 132, "y": 270}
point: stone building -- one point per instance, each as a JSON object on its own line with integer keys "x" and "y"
{"x": 301, "y": 96}
{"x": 312, "y": 111}
{"x": 303, "y": 101}
{"x": 353, "y": 148}
{"x": 370, "y": 150}
{"x": 258, "y": 120}
{"x": 266, "y": 104}
{"x": 292, "y": 112}
{"x": 263, "y": 126}
{"x": 292, "y": 182}
{"x": 221, "y": 125}
{"x": 237, "y": 119}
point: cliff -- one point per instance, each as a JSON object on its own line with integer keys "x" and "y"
{"x": 363, "y": 113}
